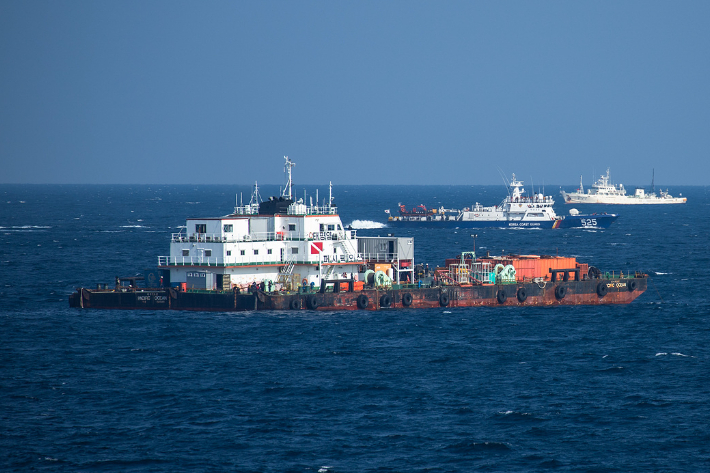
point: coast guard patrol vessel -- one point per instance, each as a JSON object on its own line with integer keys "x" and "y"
{"x": 517, "y": 210}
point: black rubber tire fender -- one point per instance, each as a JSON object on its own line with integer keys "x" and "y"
{"x": 385, "y": 301}
{"x": 560, "y": 292}
{"x": 406, "y": 299}
{"x": 602, "y": 289}
{"x": 502, "y": 296}
{"x": 631, "y": 285}
{"x": 522, "y": 294}
{"x": 295, "y": 304}
{"x": 312, "y": 302}
{"x": 362, "y": 301}
{"x": 444, "y": 299}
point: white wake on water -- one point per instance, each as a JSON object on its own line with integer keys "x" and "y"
{"x": 366, "y": 224}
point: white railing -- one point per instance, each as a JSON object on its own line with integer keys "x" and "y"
{"x": 262, "y": 236}
{"x": 322, "y": 210}
{"x": 253, "y": 260}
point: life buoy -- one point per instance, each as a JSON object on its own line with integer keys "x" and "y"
{"x": 304, "y": 282}
{"x": 444, "y": 299}
{"x": 407, "y": 299}
{"x": 602, "y": 289}
{"x": 312, "y": 302}
{"x": 385, "y": 301}
{"x": 501, "y": 296}
{"x": 362, "y": 301}
{"x": 522, "y": 294}
{"x": 310, "y": 236}
{"x": 560, "y": 292}
{"x": 631, "y": 285}
{"x": 295, "y": 304}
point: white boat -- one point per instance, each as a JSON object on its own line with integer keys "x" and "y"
{"x": 517, "y": 210}
{"x": 603, "y": 192}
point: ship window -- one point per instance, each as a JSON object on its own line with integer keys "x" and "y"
{"x": 331, "y": 228}
{"x": 339, "y": 227}
{"x": 291, "y": 227}
{"x": 228, "y": 228}
{"x": 201, "y": 228}
{"x": 322, "y": 227}
{"x": 335, "y": 251}
{"x": 256, "y": 252}
{"x": 241, "y": 252}
{"x": 229, "y": 253}
{"x": 208, "y": 252}
{"x": 186, "y": 252}
{"x": 294, "y": 250}
{"x": 269, "y": 251}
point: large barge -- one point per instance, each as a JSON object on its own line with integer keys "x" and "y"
{"x": 282, "y": 254}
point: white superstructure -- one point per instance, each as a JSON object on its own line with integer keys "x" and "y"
{"x": 281, "y": 243}
{"x": 603, "y": 192}
{"x": 516, "y": 209}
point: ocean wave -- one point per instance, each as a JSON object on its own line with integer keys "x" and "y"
{"x": 366, "y": 224}
{"x": 478, "y": 446}
{"x": 132, "y": 226}
{"x": 26, "y": 227}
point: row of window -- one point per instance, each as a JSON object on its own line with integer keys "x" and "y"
{"x": 229, "y": 228}
{"x": 269, "y": 251}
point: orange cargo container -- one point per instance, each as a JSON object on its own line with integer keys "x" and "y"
{"x": 528, "y": 267}
{"x": 358, "y": 286}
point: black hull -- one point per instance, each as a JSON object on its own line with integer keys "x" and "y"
{"x": 585, "y": 292}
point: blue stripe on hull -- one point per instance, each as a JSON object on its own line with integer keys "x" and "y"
{"x": 570, "y": 221}
{"x": 469, "y": 224}
{"x": 588, "y": 221}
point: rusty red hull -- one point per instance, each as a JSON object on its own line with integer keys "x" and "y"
{"x": 585, "y": 292}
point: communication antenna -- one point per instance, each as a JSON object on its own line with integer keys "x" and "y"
{"x": 287, "y": 167}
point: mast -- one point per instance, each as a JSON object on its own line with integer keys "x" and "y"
{"x": 287, "y": 167}
{"x": 255, "y": 197}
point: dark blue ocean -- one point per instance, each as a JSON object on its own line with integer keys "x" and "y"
{"x": 568, "y": 389}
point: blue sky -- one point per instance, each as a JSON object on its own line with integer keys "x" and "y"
{"x": 354, "y": 92}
